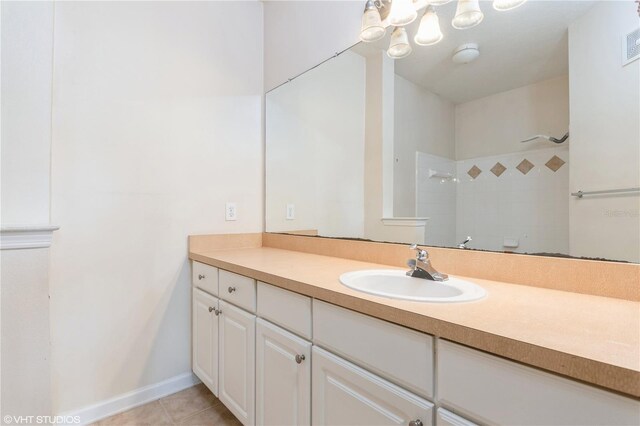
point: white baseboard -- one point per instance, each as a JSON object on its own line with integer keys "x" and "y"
{"x": 134, "y": 398}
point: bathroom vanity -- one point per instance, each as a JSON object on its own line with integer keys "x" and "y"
{"x": 279, "y": 340}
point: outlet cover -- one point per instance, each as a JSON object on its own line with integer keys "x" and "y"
{"x": 291, "y": 211}
{"x": 230, "y": 211}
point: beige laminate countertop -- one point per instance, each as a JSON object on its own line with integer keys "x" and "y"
{"x": 589, "y": 338}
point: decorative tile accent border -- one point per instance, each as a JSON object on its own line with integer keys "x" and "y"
{"x": 555, "y": 163}
{"x": 498, "y": 169}
{"x": 525, "y": 166}
{"x": 474, "y": 172}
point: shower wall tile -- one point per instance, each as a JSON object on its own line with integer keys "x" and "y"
{"x": 532, "y": 208}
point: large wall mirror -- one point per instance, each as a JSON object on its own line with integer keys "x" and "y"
{"x": 429, "y": 150}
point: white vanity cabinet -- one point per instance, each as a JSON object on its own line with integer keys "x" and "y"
{"x": 237, "y": 361}
{"x": 345, "y": 394}
{"x": 399, "y": 354}
{"x": 224, "y": 338}
{"x": 205, "y": 339}
{"x": 497, "y": 391}
{"x": 283, "y": 377}
{"x": 275, "y": 357}
{"x": 447, "y": 418}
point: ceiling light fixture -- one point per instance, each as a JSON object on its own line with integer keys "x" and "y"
{"x": 403, "y": 12}
{"x": 399, "y": 46}
{"x": 372, "y": 28}
{"x": 466, "y": 53}
{"x": 468, "y": 14}
{"x": 429, "y": 31}
{"x": 503, "y": 5}
{"x": 397, "y": 13}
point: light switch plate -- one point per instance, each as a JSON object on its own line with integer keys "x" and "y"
{"x": 291, "y": 212}
{"x": 231, "y": 211}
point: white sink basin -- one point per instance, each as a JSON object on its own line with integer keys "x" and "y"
{"x": 397, "y": 285}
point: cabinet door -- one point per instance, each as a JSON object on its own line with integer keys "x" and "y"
{"x": 237, "y": 361}
{"x": 344, "y": 394}
{"x": 447, "y": 418}
{"x": 205, "y": 339}
{"x": 283, "y": 377}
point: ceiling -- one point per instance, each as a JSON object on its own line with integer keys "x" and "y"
{"x": 517, "y": 48}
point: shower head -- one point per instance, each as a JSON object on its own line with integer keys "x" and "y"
{"x": 549, "y": 138}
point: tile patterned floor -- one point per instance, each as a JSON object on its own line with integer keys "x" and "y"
{"x": 195, "y": 406}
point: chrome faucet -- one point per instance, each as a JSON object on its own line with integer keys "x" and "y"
{"x": 421, "y": 266}
{"x": 463, "y": 245}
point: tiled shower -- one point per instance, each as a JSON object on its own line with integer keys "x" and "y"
{"x": 512, "y": 202}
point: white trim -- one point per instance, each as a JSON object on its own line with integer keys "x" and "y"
{"x": 132, "y": 399}
{"x": 25, "y": 237}
{"x": 414, "y": 222}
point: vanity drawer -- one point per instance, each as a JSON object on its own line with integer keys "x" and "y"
{"x": 287, "y": 309}
{"x": 447, "y": 418}
{"x": 397, "y": 353}
{"x": 205, "y": 277}
{"x": 238, "y": 289}
{"x": 496, "y": 391}
{"x": 344, "y": 394}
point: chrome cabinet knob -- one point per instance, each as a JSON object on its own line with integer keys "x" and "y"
{"x": 201, "y": 277}
{"x": 214, "y": 310}
{"x": 231, "y": 289}
{"x": 300, "y": 358}
{"x": 416, "y": 422}
{"x": 211, "y": 309}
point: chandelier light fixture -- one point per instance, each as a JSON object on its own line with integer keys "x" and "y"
{"x": 468, "y": 14}
{"x": 403, "y": 12}
{"x": 372, "y": 28}
{"x": 502, "y": 5}
{"x": 429, "y": 30}
{"x": 378, "y": 14}
{"x": 399, "y": 46}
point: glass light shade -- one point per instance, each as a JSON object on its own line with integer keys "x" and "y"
{"x": 399, "y": 46}
{"x": 468, "y": 14}
{"x": 371, "y": 29}
{"x": 429, "y": 30}
{"x": 503, "y": 5}
{"x": 438, "y": 2}
{"x": 402, "y": 12}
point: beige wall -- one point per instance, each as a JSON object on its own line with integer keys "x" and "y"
{"x": 27, "y": 49}
{"x": 496, "y": 124}
{"x": 423, "y": 122}
{"x": 156, "y": 124}
{"x": 315, "y": 154}
{"x": 25, "y": 332}
{"x": 27, "y": 46}
{"x": 605, "y": 134}
{"x": 301, "y": 34}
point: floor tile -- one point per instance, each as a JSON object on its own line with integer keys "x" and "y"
{"x": 149, "y": 414}
{"x": 218, "y": 415}
{"x": 188, "y": 402}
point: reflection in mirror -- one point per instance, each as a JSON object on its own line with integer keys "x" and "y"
{"x": 434, "y": 150}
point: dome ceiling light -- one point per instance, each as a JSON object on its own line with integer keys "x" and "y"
{"x": 466, "y": 53}
{"x": 378, "y": 14}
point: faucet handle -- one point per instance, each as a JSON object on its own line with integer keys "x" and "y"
{"x": 421, "y": 253}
